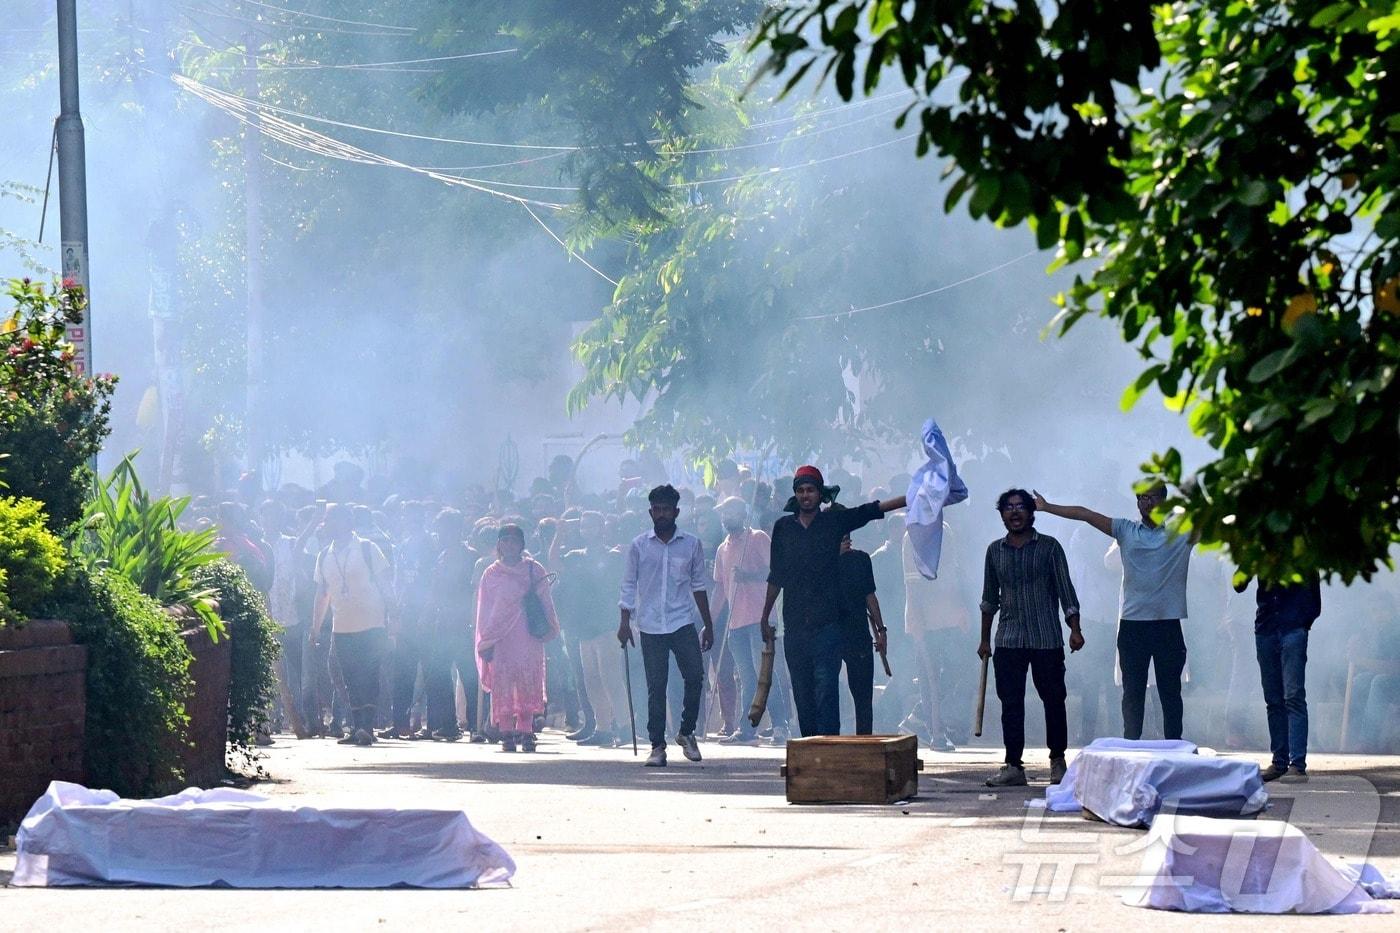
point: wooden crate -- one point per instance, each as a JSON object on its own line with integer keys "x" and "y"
{"x": 852, "y": 769}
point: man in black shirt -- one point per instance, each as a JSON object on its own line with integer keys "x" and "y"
{"x": 862, "y": 632}
{"x": 1282, "y": 621}
{"x": 805, "y": 568}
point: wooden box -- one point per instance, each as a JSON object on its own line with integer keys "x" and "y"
{"x": 852, "y": 769}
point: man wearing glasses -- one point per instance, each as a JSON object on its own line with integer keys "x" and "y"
{"x": 1151, "y": 606}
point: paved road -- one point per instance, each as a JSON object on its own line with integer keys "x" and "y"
{"x": 602, "y": 843}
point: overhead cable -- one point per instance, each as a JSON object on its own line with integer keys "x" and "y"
{"x": 924, "y": 294}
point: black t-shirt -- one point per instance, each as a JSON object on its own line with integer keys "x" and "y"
{"x": 857, "y": 582}
{"x": 804, "y": 563}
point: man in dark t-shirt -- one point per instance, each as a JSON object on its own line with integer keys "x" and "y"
{"x": 860, "y": 620}
{"x": 805, "y": 568}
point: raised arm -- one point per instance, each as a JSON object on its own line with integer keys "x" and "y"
{"x": 1076, "y": 513}
{"x": 893, "y": 505}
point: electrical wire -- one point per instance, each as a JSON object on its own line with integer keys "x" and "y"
{"x": 925, "y": 294}
{"x": 606, "y": 278}
{"x": 778, "y": 169}
{"x": 328, "y": 19}
{"x": 249, "y": 113}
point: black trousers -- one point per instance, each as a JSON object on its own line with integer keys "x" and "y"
{"x": 1047, "y": 667}
{"x": 858, "y": 654}
{"x": 452, "y": 646}
{"x": 813, "y": 658}
{"x": 657, "y": 650}
{"x": 360, "y": 655}
{"x": 1158, "y": 642}
{"x": 410, "y": 651}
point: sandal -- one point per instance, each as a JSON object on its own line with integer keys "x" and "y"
{"x": 527, "y": 742}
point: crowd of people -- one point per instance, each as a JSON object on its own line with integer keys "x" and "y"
{"x": 489, "y": 617}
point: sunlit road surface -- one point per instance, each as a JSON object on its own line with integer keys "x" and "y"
{"x": 603, "y": 843}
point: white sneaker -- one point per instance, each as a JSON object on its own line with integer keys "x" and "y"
{"x": 657, "y": 758}
{"x": 689, "y": 746}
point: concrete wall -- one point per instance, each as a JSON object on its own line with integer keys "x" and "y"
{"x": 43, "y": 705}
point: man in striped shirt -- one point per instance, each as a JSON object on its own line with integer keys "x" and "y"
{"x": 1027, "y": 580}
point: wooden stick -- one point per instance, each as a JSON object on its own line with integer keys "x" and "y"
{"x": 981, "y": 698}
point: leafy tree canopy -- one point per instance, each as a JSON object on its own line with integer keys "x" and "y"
{"x": 616, "y": 74}
{"x": 1230, "y": 171}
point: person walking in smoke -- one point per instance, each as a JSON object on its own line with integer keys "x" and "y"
{"x": 586, "y": 578}
{"x": 664, "y": 574}
{"x": 805, "y": 568}
{"x": 862, "y": 631}
{"x": 741, "y": 569}
{"x": 1151, "y": 606}
{"x": 510, "y": 655}
{"x": 1024, "y": 578}
{"x": 1285, "y": 615}
{"x": 353, "y": 583}
{"x": 451, "y": 621}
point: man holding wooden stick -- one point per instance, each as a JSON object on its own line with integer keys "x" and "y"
{"x": 1026, "y": 577}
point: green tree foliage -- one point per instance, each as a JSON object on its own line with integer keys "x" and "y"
{"x": 253, "y": 663}
{"x": 127, "y": 532}
{"x": 52, "y": 419}
{"x": 616, "y": 75}
{"x": 1231, "y": 171}
{"x": 137, "y": 681}
{"x": 31, "y": 558}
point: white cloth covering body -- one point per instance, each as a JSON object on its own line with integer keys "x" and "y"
{"x": 1061, "y": 798}
{"x": 1250, "y": 866}
{"x": 1129, "y": 787}
{"x": 935, "y": 485}
{"x": 231, "y": 838}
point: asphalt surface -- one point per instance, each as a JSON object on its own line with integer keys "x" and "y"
{"x": 603, "y": 843}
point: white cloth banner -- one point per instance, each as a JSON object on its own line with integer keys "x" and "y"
{"x": 231, "y": 838}
{"x": 1060, "y": 798}
{"x": 1129, "y": 787}
{"x": 935, "y": 485}
{"x": 1250, "y": 866}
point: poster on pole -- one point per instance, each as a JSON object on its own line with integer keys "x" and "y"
{"x": 75, "y": 269}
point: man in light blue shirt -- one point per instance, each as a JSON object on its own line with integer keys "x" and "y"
{"x": 1151, "y": 606}
{"x": 663, "y": 585}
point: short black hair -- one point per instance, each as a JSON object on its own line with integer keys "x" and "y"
{"x": 510, "y": 530}
{"x": 1026, "y": 497}
{"x": 664, "y": 495}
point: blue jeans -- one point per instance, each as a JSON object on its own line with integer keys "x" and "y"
{"x": 1283, "y": 659}
{"x": 814, "y": 665}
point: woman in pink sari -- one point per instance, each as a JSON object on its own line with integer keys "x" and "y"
{"x": 510, "y": 659}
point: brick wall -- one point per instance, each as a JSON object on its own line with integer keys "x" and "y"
{"x": 43, "y": 704}
{"x": 207, "y": 707}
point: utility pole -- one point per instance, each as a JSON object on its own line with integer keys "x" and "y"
{"x": 72, "y": 181}
{"x": 253, "y": 430}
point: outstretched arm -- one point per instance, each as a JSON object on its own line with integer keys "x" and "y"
{"x": 1076, "y": 513}
{"x": 893, "y": 505}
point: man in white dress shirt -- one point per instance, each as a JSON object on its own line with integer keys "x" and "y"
{"x": 663, "y": 584}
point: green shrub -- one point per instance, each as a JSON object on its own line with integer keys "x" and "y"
{"x": 137, "y": 680}
{"x": 131, "y": 534}
{"x": 31, "y": 558}
{"x": 53, "y": 419}
{"x": 253, "y": 666}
